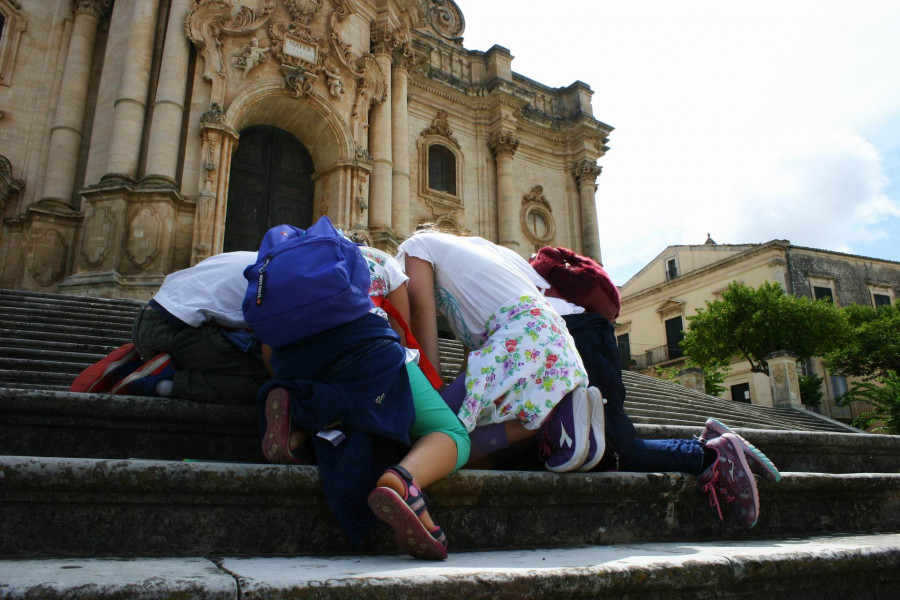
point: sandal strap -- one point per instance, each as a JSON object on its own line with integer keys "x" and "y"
{"x": 438, "y": 534}
{"x": 414, "y": 497}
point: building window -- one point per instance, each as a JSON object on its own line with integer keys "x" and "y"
{"x": 441, "y": 169}
{"x": 823, "y": 293}
{"x": 740, "y": 393}
{"x": 674, "y": 335}
{"x": 12, "y": 24}
{"x": 671, "y": 269}
{"x": 624, "y": 349}
{"x": 838, "y": 386}
{"x": 881, "y": 300}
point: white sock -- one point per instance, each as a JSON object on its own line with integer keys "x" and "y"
{"x": 164, "y": 387}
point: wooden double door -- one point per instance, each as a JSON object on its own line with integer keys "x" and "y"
{"x": 270, "y": 184}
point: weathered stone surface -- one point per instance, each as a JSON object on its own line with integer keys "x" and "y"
{"x": 85, "y": 507}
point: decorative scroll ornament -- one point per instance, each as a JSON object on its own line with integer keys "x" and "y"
{"x": 586, "y": 170}
{"x": 536, "y": 195}
{"x": 298, "y": 80}
{"x": 441, "y": 126}
{"x": 503, "y": 143}
{"x": 303, "y": 11}
{"x": 445, "y": 18}
{"x": 334, "y": 82}
{"x": 213, "y": 114}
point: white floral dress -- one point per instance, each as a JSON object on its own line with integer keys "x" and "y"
{"x": 525, "y": 361}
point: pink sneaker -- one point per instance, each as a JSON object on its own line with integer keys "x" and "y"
{"x": 730, "y": 476}
{"x": 759, "y": 462}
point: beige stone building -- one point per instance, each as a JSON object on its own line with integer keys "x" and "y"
{"x": 138, "y": 137}
{"x": 658, "y": 299}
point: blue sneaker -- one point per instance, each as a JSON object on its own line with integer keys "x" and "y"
{"x": 143, "y": 381}
{"x": 759, "y": 462}
{"x": 597, "y": 444}
{"x": 564, "y": 437}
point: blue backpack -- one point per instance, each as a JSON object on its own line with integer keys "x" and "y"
{"x": 304, "y": 282}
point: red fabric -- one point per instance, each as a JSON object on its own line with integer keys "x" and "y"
{"x": 434, "y": 378}
{"x": 578, "y": 279}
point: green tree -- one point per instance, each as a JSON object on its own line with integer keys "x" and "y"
{"x": 811, "y": 389}
{"x": 884, "y": 395}
{"x": 753, "y": 323}
{"x": 872, "y": 346}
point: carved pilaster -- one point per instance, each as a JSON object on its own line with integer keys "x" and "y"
{"x": 94, "y": 8}
{"x": 503, "y": 143}
{"x": 586, "y": 171}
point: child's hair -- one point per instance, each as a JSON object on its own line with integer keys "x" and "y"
{"x": 359, "y": 236}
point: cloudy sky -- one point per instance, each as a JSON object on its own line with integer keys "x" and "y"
{"x": 750, "y": 121}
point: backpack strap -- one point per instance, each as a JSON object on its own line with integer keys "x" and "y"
{"x": 428, "y": 369}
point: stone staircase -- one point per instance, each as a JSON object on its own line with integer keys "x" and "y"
{"x": 86, "y": 477}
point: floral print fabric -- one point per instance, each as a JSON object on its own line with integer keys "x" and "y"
{"x": 527, "y": 365}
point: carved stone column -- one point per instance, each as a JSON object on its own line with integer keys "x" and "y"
{"x": 783, "y": 380}
{"x": 131, "y": 98}
{"x": 380, "y": 146}
{"x": 66, "y": 134}
{"x": 403, "y": 62}
{"x": 586, "y": 173}
{"x": 209, "y": 218}
{"x": 165, "y": 127}
{"x": 504, "y": 145}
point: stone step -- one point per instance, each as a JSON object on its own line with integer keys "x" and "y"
{"x": 91, "y": 303}
{"x": 88, "y": 507}
{"x": 656, "y": 413}
{"x": 837, "y": 566}
{"x": 39, "y": 422}
{"x": 62, "y": 313}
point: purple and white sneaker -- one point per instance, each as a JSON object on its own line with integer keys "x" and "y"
{"x": 563, "y": 441}
{"x": 730, "y": 476}
{"x": 597, "y": 445}
{"x": 759, "y": 462}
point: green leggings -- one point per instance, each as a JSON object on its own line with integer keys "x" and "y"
{"x": 433, "y": 415}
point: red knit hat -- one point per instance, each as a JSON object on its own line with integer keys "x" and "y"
{"x": 579, "y": 279}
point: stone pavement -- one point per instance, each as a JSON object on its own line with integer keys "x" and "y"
{"x": 865, "y": 566}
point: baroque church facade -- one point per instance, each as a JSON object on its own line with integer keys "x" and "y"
{"x": 138, "y": 137}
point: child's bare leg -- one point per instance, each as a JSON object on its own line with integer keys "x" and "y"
{"x": 431, "y": 458}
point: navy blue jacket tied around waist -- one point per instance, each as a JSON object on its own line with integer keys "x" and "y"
{"x": 351, "y": 379}
{"x": 595, "y": 340}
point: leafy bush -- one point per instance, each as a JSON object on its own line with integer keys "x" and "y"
{"x": 884, "y": 395}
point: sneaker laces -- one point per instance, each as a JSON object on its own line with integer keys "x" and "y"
{"x": 713, "y": 486}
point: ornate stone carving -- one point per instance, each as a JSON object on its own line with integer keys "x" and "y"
{"x": 441, "y": 126}
{"x": 46, "y": 268}
{"x": 303, "y": 11}
{"x": 97, "y": 229}
{"x": 362, "y": 155}
{"x": 536, "y": 195}
{"x": 251, "y": 56}
{"x": 445, "y": 19}
{"x": 95, "y": 8}
{"x": 213, "y": 114}
{"x": 143, "y": 237}
{"x": 404, "y": 57}
{"x": 586, "y": 171}
{"x": 384, "y": 40}
{"x": 298, "y": 80}
{"x": 335, "y": 83}
{"x": 503, "y": 142}
{"x": 9, "y": 185}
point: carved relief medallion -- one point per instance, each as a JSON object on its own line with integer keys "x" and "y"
{"x": 143, "y": 237}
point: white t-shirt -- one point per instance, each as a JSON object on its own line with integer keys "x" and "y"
{"x": 387, "y": 274}
{"x": 473, "y": 279}
{"x": 213, "y": 289}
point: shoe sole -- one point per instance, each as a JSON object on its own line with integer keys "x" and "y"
{"x": 145, "y": 369}
{"x": 581, "y": 416}
{"x": 598, "y": 429}
{"x": 736, "y": 445}
{"x": 99, "y": 377}
{"x": 411, "y": 535}
{"x": 276, "y": 440}
{"x": 763, "y": 466}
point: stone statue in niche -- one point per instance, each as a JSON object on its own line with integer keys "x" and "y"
{"x": 251, "y": 56}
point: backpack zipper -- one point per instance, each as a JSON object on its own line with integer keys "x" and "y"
{"x": 259, "y": 281}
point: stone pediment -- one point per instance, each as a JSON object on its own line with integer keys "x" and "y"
{"x": 670, "y": 308}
